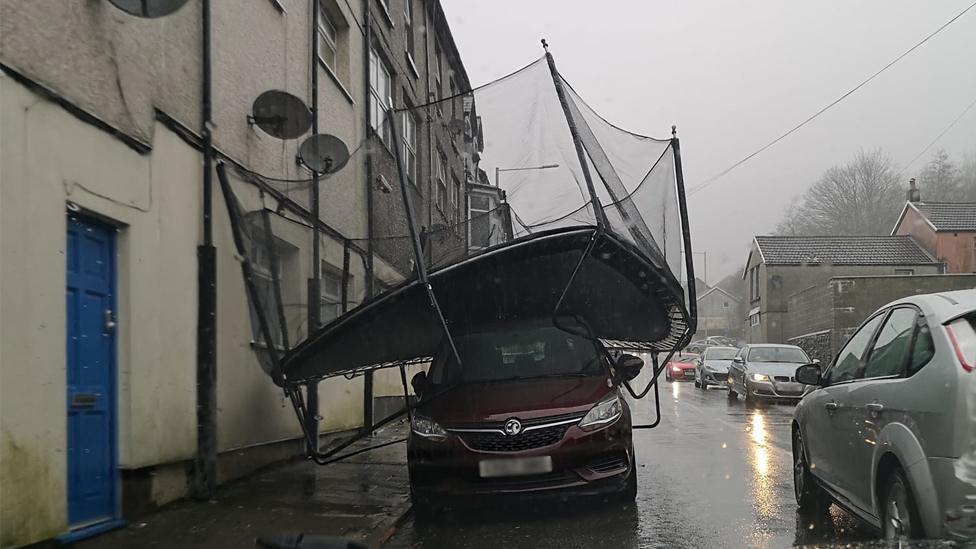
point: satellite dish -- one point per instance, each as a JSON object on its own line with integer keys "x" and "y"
{"x": 323, "y": 153}
{"x": 148, "y": 8}
{"x": 281, "y": 114}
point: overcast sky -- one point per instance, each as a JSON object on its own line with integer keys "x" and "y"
{"x": 734, "y": 75}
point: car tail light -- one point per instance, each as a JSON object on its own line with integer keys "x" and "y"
{"x": 963, "y": 340}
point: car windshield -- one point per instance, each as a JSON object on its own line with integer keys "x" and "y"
{"x": 778, "y": 354}
{"x": 516, "y": 354}
{"x": 720, "y": 354}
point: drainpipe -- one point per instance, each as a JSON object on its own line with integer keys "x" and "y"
{"x": 314, "y": 283}
{"x": 367, "y": 45}
{"x": 205, "y": 464}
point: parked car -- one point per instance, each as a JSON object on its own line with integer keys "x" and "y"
{"x": 698, "y": 347}
{"x": 712, "y": 367}
{"x": 681, "y": 367}
{"x": 723, "y": 341}
{"x": 767, "y": 372}
{"x": 533, "y": 409}
{"x": 887, "y": 432}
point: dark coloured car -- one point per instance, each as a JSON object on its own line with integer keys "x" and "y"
{"x": 533, "y": 409}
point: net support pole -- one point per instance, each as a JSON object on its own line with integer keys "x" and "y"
{"x": 601, "y": 217}
{"x": 418, "y": 253}
{"x": 686, "y": 240}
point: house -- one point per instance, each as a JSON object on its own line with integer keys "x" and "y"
{"x": 102, "y": 222}
{"x": 946, "y": 230}
{"x": 779, "y": 266}
{"x": 718, "y": 314}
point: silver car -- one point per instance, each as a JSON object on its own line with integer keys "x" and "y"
{"x": 767, "y": 372}
{"x": 888, "y": 432}
{"x": 712, "y": 367}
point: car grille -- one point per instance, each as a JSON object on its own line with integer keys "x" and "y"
{"x": 784, "y": 379}
{"x": 719, "y": 376}
{"x": 497, "y": 442}
{"x": 548, "y": 480}
{"x": 488, "y": 440}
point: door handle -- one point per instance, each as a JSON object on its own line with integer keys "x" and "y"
{"x": 874, "y": 407}
{"x": 831, "y": 406}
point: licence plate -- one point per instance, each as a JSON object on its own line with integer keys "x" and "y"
{"x": 515, "y": 467}
{"x": 789, "y": 387}
{"x": 689, "y": 373}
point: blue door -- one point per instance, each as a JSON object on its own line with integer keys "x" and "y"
{"x": 90, "y": 257}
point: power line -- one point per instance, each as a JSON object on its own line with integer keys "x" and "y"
{"x": 938, "y": 137}
{"x": 815, "y": 115}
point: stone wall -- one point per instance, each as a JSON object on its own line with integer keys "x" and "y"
{"x": 817, "y": 345}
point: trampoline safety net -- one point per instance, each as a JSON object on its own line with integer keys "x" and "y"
{"x": 512, "y": 201}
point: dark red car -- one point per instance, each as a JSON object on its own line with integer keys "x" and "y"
{"x": 681, "y": 367}
{"x": 534, "y": 409}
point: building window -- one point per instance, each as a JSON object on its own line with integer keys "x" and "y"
{"x": 410, "y": 146}
{"x": 380, "y": 95}
{"x": 453, "y": 91}
{"x": 754, "y": 283}
{"x": 905, "y": 272}
{"x": 725, "y": 305}
{"x": 408, "y": 27}
{"x": 455, "y": 198}
{"x": 438, "y": 73}
{"x": 327, "y": 47}
{"x": 260, "y": 256}
{"x": 754, "y": 320}
{"x": 479, "y": 220}
{"x": 440, "y": 182}
{"x": 331, "y": 299}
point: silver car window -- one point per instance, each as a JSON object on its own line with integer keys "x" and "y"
{"x": 851, "y": 357}
{"x": 891, "y": 346}
{"x": 924, "y": 348}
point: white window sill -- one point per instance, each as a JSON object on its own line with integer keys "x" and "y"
{"x": 413, "y": 67}
{"x": 336, "y": 81}
{"x": 386, "y": 13}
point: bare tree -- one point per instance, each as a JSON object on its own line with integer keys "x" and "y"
{"x": 939, "y": 179}
{"x": 966, "y": 179}
{"x": 861, "y": 197}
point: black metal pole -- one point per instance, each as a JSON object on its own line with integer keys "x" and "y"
{"x": 205, "y": 463}
{"x": 601, "y": 218}
{"x": 686, "y": 237}
{"x": 315, "y": 282}
{"x": 418, "y": 253}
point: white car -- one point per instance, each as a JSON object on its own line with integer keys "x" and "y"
{"x": 888, "y": 431}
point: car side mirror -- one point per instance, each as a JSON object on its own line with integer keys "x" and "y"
{"x": 809, "y": 374}
{"x": 628, "y": 367}
{"x": 738, "y": 360}
{"x": 419, "y": 383}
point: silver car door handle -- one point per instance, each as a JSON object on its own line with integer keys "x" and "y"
{"x": 875, "y": 407}
{"x": 831, "y": 406}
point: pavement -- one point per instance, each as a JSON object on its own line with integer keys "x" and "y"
{"x": 362, "y": 498}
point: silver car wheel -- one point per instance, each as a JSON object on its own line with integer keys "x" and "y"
{"x": 898, "y": 525}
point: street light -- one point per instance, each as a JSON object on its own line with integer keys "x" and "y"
{"x": 543, "y": 167}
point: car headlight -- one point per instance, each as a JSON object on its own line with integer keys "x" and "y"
{"x": 427, "y": 428}
{"x": 760, "y": 377}
{"x": 604, "y": 413}
{"x": 675, "y": 369}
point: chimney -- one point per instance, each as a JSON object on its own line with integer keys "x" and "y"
{"x": 913, "y": 194}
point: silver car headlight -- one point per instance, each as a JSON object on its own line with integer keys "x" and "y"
{"x": 760, "y": 377}
{"x": 604, "y": 413}
{"x": 427, "y": 428}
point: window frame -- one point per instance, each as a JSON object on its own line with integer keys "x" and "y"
{"x": 868, "y": 347}
{"x": 410, "y": 145}
{"x": 377, "y": 63}
{"x": 903, "y": 368}
{"x": 331, "y": 41}
{"x": 408, "y": 17}
{"x": 333, "y": 273}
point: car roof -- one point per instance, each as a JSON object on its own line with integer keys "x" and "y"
{"x": 945, "y": 306}
{"x": 721, "y": 347}
{"x": 775, "y": 345}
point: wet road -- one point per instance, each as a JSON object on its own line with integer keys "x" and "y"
{"x": 713, "y": 474}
